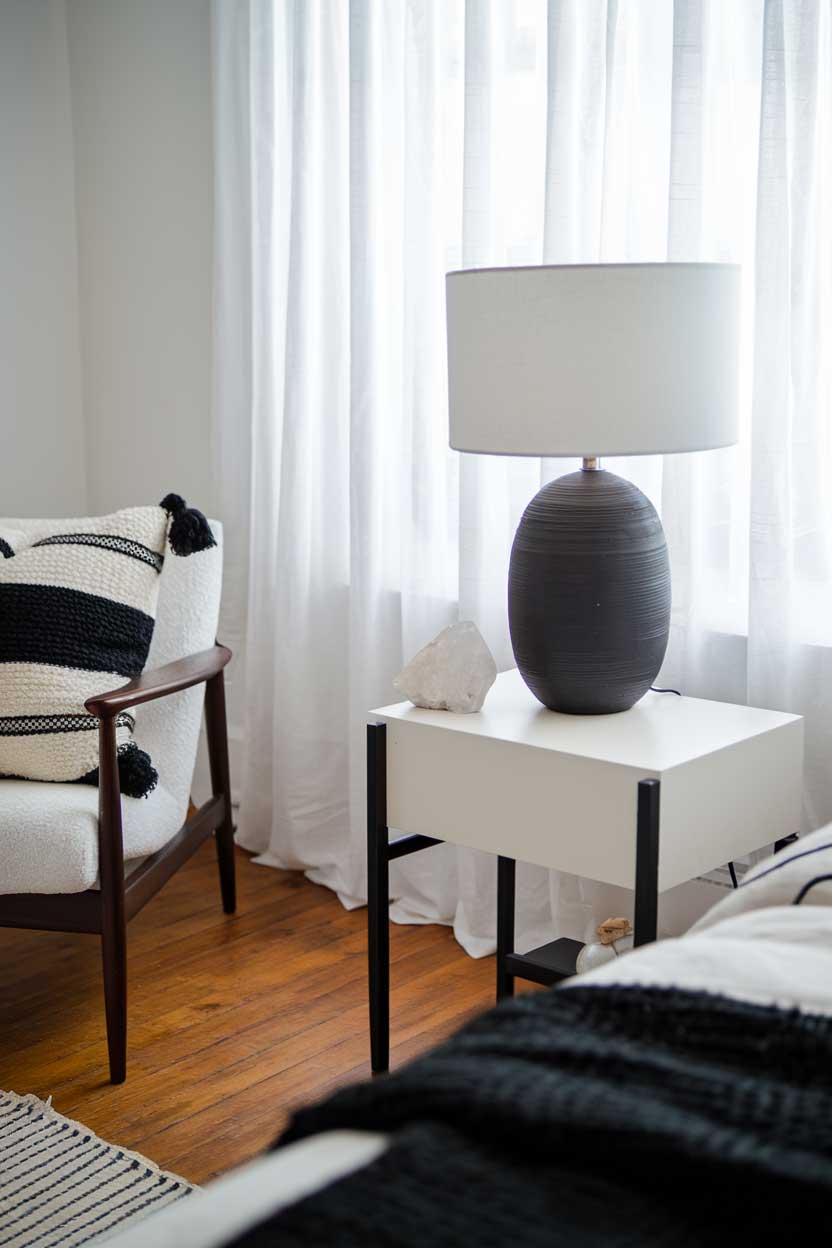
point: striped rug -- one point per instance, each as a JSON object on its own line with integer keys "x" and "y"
{"x": 62, "y": 1185}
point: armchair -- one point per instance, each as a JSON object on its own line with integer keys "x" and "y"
{"x": 76, "y": 860}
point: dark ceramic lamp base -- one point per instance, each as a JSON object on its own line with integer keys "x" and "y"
{"x": 589, "y": 594}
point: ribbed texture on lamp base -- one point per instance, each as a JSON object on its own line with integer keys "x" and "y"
{"x": 589, "y": 594}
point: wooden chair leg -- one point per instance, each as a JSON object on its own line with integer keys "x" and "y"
{"x": 113, "y": 917}
{"x": 216, "y": 728}
{"x": 114, "y": 952}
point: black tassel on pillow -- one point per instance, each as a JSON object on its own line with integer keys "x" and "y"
{"x": 189, "y": 530}
{"x": 137, "y": 777}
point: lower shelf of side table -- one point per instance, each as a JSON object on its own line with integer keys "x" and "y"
{"x": 546, "y": 965}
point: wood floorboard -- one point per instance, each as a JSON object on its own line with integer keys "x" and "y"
{"x": 233, "y": 1022}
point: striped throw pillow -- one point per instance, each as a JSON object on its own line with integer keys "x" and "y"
{"x": 77, "y": 611}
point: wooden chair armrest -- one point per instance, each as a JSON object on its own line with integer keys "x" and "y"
{"x": 181, "y": 674}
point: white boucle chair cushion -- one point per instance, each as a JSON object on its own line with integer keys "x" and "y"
{"x": 49, "y": 832}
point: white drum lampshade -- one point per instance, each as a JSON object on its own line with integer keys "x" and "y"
{"x": 602, "y": 359}
{"x": 590, "y": 360}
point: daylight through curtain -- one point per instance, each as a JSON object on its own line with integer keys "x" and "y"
{"x": 362, "y": 150}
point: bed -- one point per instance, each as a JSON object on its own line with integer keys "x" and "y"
{"x": 679, "y": 1095}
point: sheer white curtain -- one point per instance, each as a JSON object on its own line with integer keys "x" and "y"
{"x": 362, "y": 150}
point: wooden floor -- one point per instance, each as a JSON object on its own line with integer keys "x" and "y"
{"x": 232, "y": 1021}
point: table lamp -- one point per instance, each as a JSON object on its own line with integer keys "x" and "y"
{"x": 591, "y": 360}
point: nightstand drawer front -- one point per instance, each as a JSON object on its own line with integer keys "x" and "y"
{"x": 555, "y": 810}
{"x": 722, "y": 806}
{"x": 578, "y": 814}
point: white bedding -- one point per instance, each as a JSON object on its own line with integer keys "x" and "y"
{"x": 243, "y": 1197}
{"x": 754, "y": 945}
{"x": 777, "y": 956}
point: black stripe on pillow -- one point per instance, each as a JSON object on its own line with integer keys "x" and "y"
{"x": 808, "y": 886}
{"x": 45, "y": 725}
{"x": 107, "y": 541}
{"x": 69, "y": 628}
{"x": 6, "y": 550}
{"x": 781, "y": 861}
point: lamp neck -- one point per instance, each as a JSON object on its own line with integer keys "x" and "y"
{"x": 592, "y": 463}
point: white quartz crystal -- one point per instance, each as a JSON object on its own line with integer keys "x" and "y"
{"x": 451, "y": 673}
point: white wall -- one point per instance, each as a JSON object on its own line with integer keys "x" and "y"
{"x": 42, "y": 459}
{"x": 141, "y": 101}
{"x": 105, "y": 254}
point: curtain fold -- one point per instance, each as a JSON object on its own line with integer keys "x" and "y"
{"x": 364, "y": 149}
{"x": 790, "y": 607}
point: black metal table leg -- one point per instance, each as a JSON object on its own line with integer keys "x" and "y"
{"x": 378, "y": 897}
{"x": 647, "y": 863}
{"x": 556, "y": 960}
{"x": 506, "y": 869}
{"x": 546, "y": 965}
{"x": 380, "y": 853}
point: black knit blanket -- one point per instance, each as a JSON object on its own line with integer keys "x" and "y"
{"x": 588, "y": 1116}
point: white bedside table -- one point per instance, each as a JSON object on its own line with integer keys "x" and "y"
{"x": 577, "y": 793}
